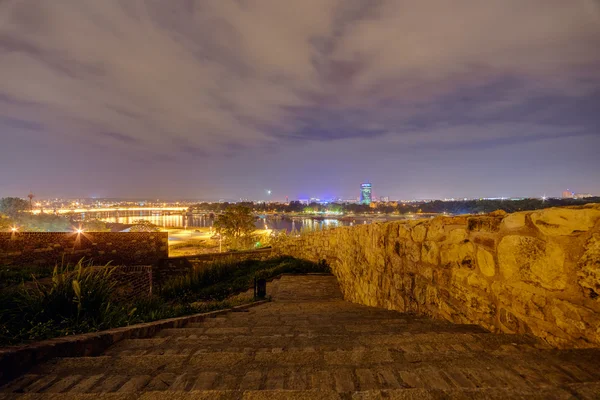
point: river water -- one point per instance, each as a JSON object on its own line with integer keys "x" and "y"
{"x": 191, "y": 221}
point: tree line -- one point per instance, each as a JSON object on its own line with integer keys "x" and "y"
{"x": 437, "y": 206}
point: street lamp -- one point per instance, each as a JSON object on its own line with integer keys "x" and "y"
{"x": 14, "y": 229}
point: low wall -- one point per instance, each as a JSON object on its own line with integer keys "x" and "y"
{"x": 527, "y": 272}
{"x": 51, "y": 248}
{"x": 177, "y": 266}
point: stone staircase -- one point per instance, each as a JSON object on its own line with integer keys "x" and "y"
{"x": 310, "y": 344}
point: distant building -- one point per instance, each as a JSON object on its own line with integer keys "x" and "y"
{"x": 567, "y": 194}
{"x": 365, "y": 193}
{"x": 582, "y": 195}
{"x": 384, "y": 199}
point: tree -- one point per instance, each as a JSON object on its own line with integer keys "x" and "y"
{"x": 44, "y": 223}
{"x": 12, "y": 206}
{"x": 95, "y": 225}
{"x": 142, "y": 225}
{"x": 236, "y": 222}
{"x": 6, "y": 223}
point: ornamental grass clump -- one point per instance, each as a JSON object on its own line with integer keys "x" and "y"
{"x": 74, "y": 301}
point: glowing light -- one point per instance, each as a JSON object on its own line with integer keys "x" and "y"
{"x": 14, "y": 229}
{"x": 79, "y": 230}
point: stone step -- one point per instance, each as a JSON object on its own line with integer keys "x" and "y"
{"x": 339, "y": 379}
{"x": 409, "y": 343}
{"x": 349, "y": 330}
{"x": 243, "y": 320}
{"x": 557, "y": 371}
{"x": 549, "y": 393}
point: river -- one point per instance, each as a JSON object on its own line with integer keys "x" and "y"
{"x": 264, "y": 222}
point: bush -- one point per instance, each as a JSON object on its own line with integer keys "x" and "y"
{"x": 76, "y": 301}
{"x": 14, "y": 275}
{"x": 80, "y": 299}
{"x": 223, "y": 279}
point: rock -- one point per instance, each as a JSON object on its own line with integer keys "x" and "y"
{"x": 564, "y": 221}
{"x": 484, "y": 224}
{"x": 404, "y": 232}
{"x": 532, "y": 260}
{"x": 498, "y": 213}
{"x": 430, "y": 253}
{"x": 511, "y": 323}
{"x": 410, "y": 250}
{"x": 476, "y": 281}
{"x": 458, "y": 255}
{"x": 589, "y": 264}
{"x": 419, "y": 232}
{"x": 486, "y": 262}
{"x": 514, "y": 221}
{"x": 567, "y": 317}
{"x": 457, "y": 235}
{"x": 436, "y": 230}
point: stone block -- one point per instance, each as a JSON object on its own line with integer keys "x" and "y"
{"x": 532, "y": 260}
{"x": 514, "y": 221}
{"x": 419, "y": 232}
{"x": 486, "y": 263}
{"x": 430, "y": 253}
{"x": 484, "y": 224}
{"x": 511, "y": 323}
{"x": 589, "y": 268}
{"x": 457, "y": 255}
{"x": 457, "y": 235}
{"x": 564, "y": 221}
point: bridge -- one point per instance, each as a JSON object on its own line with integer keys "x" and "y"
{"x": 111, "y": 209}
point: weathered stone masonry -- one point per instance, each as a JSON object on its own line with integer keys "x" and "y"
{"x": 532, "y": 272}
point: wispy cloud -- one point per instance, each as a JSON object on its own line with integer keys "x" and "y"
{"x": 206, "y": 77}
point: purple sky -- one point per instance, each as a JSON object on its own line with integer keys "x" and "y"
{"x": 226, "y": 98}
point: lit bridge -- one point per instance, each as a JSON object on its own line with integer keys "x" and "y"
{"x": 109, "y": 209}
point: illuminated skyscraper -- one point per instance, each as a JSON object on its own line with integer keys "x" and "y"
{"x": 365, "y": 193}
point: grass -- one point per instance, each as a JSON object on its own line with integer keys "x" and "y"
{"x": 80, "y": 300}
{"x": 10, "y": 275}
{"x": 221, "y": 280}
{"x": 193, "y": 247}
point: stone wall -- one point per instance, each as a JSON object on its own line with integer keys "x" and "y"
{"x": 532, "y": 272}
{"x": 177, "y": 266}
{"x": 51, "y": 248}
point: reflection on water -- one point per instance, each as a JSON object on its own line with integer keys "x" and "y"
{"x": 177, "y": 221}
{"x": 192, "y": 221}
{"x": 166, "y": 221}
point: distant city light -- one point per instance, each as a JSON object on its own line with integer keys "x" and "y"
{"x": 14, "y": 229}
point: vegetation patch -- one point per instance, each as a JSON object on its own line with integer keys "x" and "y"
{"x": 80, "y": 300}
{"x": 223, "y": 279}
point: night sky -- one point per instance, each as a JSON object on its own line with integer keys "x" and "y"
{"x": 214, "y": 99}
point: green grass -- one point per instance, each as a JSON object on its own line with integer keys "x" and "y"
{"x": 11, "y": 275}
{"x": 80, "y": 300}
{"x": 221, "y": 280}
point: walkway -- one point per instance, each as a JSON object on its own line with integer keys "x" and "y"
{"x": 310, "y": 344}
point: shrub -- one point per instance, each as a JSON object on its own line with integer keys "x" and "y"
{"x": 223, "y": 279}
{"x": 80, "y": 299}
{"x": 75, "y": 301}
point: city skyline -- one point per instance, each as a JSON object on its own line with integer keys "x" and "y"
{"x": 310, "y": 98}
